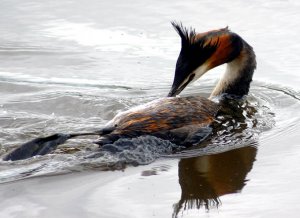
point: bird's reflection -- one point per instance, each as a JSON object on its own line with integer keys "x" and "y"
{"x": 204, "y": 179}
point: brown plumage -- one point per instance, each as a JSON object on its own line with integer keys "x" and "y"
{"x": 169, "y": 118}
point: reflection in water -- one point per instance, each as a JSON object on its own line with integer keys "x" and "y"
{"x": 204, "y": 179}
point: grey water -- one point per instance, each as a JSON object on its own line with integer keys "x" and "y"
{"x": 71, "y": 66}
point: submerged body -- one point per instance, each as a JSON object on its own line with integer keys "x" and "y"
{"x": 184, "y": 121}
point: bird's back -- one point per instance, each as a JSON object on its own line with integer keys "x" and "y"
{"x": 164, "y": 117}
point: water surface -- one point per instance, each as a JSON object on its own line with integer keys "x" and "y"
{"x": 69, "y": 66}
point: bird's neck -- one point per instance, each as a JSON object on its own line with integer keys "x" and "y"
{"x": 238, "y": 75}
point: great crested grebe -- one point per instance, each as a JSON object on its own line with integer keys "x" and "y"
{"x": 181, "y": 120}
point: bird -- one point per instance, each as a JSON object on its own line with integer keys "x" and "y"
{"x": 181, "y": 120}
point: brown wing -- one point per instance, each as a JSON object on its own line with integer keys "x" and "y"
{"x": 164, "y": 115}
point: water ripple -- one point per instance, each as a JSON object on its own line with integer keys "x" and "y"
{"x": 266, "y": 107}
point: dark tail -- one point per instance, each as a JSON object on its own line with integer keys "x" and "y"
{"x": 45, "y": 145}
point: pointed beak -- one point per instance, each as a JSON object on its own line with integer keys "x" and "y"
{"x": 178, "y": 86}
{"x": 173, "y": 92}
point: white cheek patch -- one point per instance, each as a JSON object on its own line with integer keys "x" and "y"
{"x": 200, "y": 71}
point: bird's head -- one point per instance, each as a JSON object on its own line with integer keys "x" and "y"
{"x": 201, "y": 52}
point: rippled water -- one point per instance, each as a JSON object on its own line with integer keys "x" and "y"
{"x": 70, "y": 66}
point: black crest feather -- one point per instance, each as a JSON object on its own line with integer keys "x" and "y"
{"x": 189, "y": 43}
{"x": 186, "y": 34}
